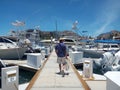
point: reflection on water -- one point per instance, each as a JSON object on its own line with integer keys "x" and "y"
{"x": 25, "y": 76}
{"x": 98, "y": 71}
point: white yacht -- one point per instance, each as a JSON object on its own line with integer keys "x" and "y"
{"x": 10, "y": 49}
{"x": 96, "y": 49}
{"x": 108, "y": 45}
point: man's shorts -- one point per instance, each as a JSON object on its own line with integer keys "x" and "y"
{"x": 61, "y": 60}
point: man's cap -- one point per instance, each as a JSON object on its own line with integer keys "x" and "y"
{"x": 61, "y": 39}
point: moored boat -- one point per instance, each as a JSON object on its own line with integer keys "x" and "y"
{"x": 10, "y": 49}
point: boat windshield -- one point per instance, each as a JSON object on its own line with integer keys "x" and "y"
{"x": 68, "y": 40}
{"x": 4, "y": 40}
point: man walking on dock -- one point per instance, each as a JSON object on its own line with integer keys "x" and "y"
{"x": 60, "y": 50}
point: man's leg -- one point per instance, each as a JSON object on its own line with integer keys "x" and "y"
{"x": 60, "y": 67}
{"x": 62, "y": 70}
{"x": 59, "y": 63}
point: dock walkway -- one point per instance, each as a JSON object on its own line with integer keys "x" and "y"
{"x": 48, "y": 79}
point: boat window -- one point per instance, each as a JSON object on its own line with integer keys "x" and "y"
{"x": 67, "y": 40}
{"x": 114, "y": 46}
{"x": 106, "y": 46}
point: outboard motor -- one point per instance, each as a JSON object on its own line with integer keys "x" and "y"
{"x": 116, "y": 63}
{"x": 117, "y": 58}
{"x": 107, "y": 60}
{"x": 103, "y": 60}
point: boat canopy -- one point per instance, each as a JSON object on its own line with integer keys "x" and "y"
{"x": 107, "y": 41}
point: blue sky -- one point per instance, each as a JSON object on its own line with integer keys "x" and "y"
{"x": 93, "y": 16}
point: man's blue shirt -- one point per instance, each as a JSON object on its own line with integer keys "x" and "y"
{"x": 61, "y": 49}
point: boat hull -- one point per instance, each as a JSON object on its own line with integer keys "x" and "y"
{"x": 91, "y": 53}
{"x": 12, "y": 53}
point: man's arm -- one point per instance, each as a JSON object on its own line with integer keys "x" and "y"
{"x": 56, "y": 51}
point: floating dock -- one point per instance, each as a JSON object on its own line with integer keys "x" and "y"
{"x": 47, "y": 78}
